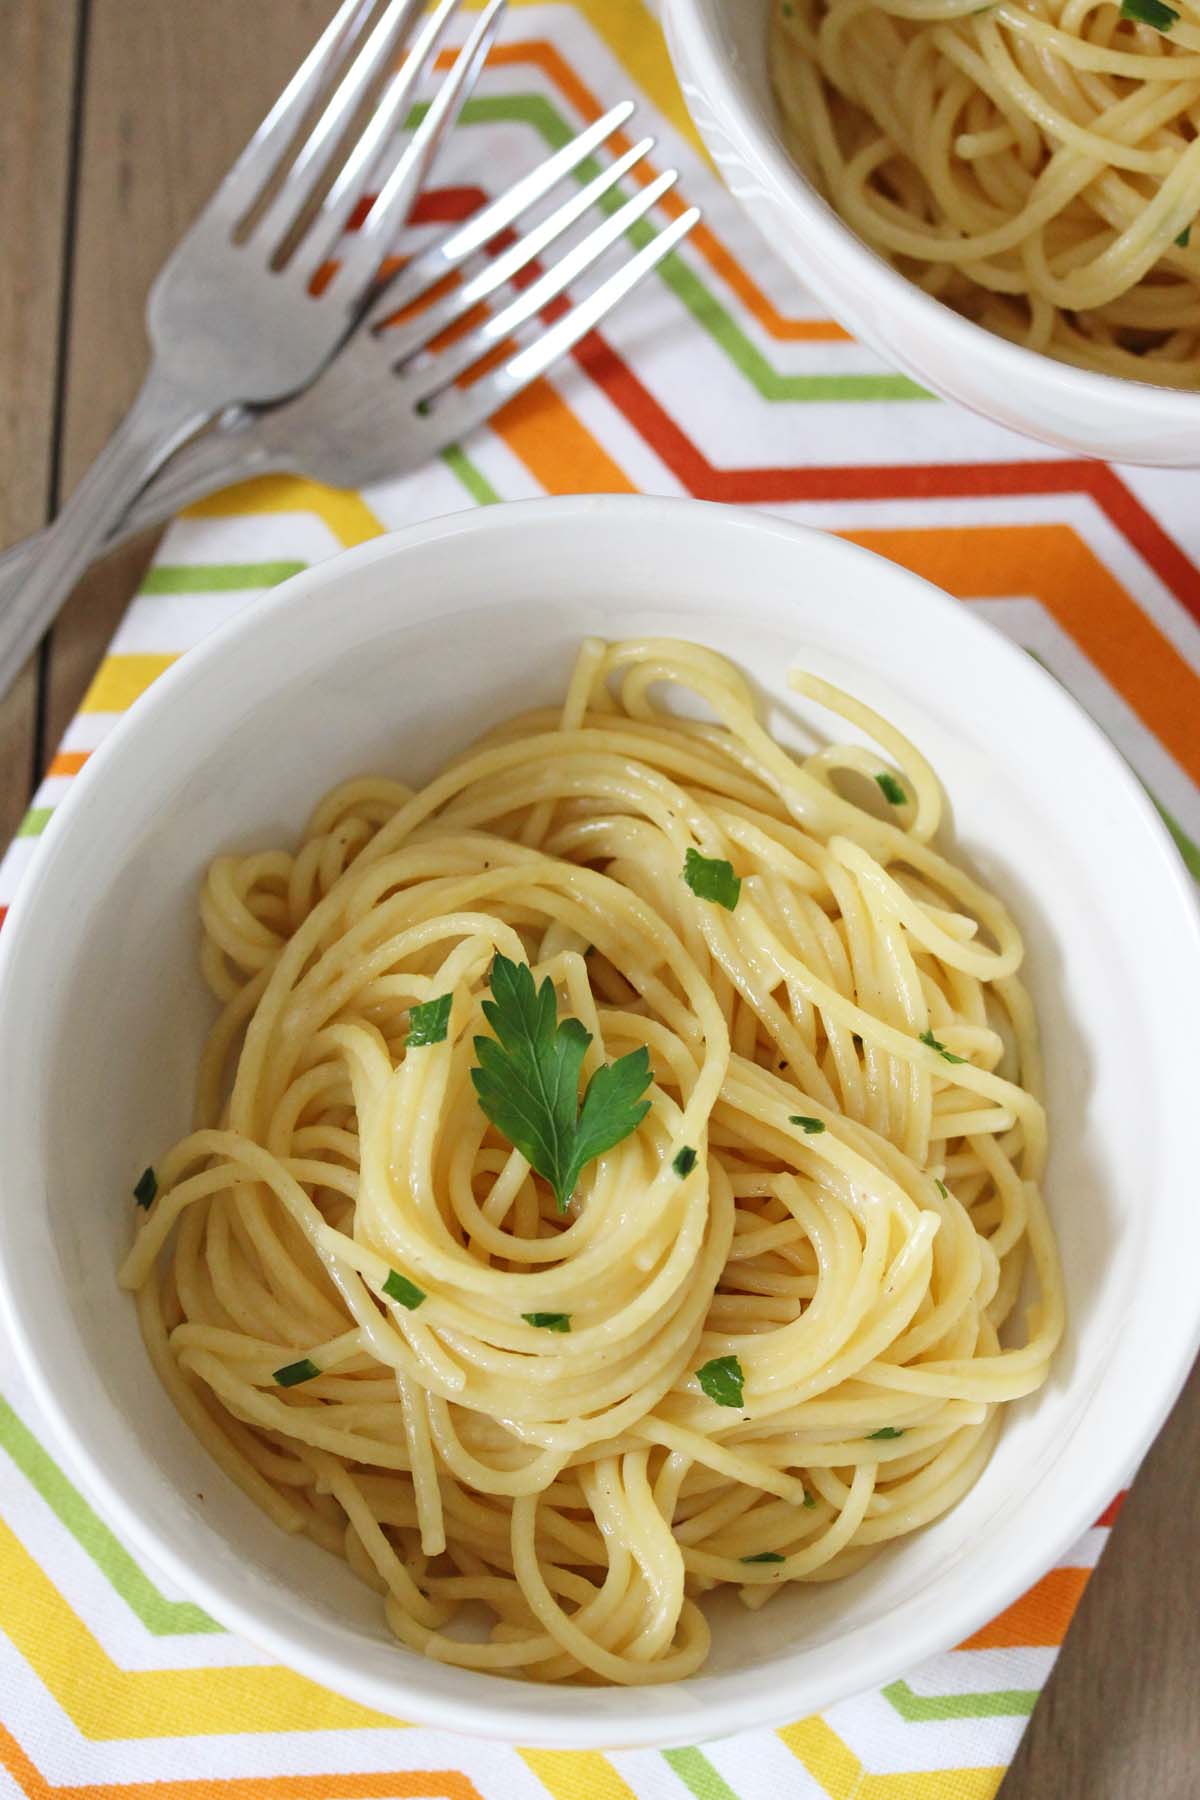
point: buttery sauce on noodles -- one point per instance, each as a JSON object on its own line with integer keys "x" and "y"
{"x": 848, "y": 1051}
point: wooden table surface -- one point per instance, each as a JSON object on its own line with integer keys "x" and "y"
{"x": 117, "y": 118}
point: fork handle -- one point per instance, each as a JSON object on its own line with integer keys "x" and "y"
{"x": 228, "y": 453}
{"x": 162, "y": 415}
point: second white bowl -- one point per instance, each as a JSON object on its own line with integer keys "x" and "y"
{"x": 719, "y": 48}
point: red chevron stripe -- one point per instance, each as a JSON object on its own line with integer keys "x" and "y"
{"x": 920, "y": 481}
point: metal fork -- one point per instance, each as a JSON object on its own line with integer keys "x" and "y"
{"x": 235, "y": 314}
{"x": 387, "y": 404}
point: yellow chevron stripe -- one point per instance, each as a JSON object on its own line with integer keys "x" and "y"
{"x": 106, "y": 1702}
{"x": 832, "y": 1763}
{"x": 578, "y": 1775}
{"x": 346, "y": 513}
{"x": 120, "y": 680}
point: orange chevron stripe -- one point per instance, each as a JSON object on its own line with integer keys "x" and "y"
{"x": 1039, "y": 1617}
{"x": 543, "y": 55}
{"x": 404, "y": 1784}
{"x": 556, "y": 447}
{"x": 68, "y": 762}
{"x": 1056, "y": 566}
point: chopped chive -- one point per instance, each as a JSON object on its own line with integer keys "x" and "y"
{"x": 721, "y": 1379}
{"x": 549, "y": 1321}
{"x": 1184, "y": 238}
{"x": 927, "y": 1037}
{"x": 886, "y": 1431}
{"x": 764, "y": 1556}
{"x": 807, "y": 1125}
{"x": 293, "y": 1373}
{"x": 428, "y": 1022}
{"x": 399, "y": 1288}
{"x": 1150, "y": 12}
{"x": 146, "y": 1189}
{"x": 712, "y": 878}
{"x": 891, "y": 789}
{"x": 684, "y": 1161}
{"x": 941, "y": 1187}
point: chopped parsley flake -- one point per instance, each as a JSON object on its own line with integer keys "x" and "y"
{"x": 1184, "y": 238}
{"x": 941, "y": 1187}
{"x": 428, "y": 1022}
{"x": 293, "y": 1373}
{"x": 1150, "y": 12}
{"x": 549, "y": 1321}
{"x": 809, "y": 1126}
{"x": 886, "y": 1431}
{"x": 405, "y": 1292}
{"x": 764, "y": 1556}
{"x": 810, "y": 1499}
{"x": 146, "y": 1189}
{"x": 712, "y": 878}
{"x": 684, "y": 1161}
{"x": 891, "y": 789}
{"x": 927, "y": 1037}
{"x": 721, "y": 1379}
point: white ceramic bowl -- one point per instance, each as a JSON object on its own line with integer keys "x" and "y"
{"x": 719, "y": 49}
{"x": 391, "y": 657}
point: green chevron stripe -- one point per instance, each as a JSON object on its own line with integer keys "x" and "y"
{"x": 162, "y": 1617}
{"x": 923, "y": 1709}
{"x": 698, "y": 1775}
{"x": 472, "y": 477}
{"x": 544, "y": 117}
{"x": 215, "y": 578}
{"x": 1186, "y": 846}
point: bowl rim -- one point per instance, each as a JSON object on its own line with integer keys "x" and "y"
{"x": 520, "y": 1721}
{"x": 695, "y": 23}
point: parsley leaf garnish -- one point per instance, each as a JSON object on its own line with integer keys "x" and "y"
{"x": 712, "y": 878}
{"x": 549, "y": 1321}
{"x": 764, "y": 1556}
{"x": 146, "y": 1189}
{"x": 427, "y": 1022}
{"x": 807, "y": 1125}
{"x": 293, "y": 1373}
{"x": 528, "y": 1081}
{"x": 891, "y": 789}
{"x": 722, "y": 1380}
{"x": 886, "y": 1431}
{"x": 684, "y": 1161}
{"x": 1150, "y": 12}
{"x": 399, "y": 1288}
{"x": 927, "y": 1037}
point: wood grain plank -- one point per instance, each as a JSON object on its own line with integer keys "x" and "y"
{"x": 1121, "y": 1714}
{"x": 37, "y": 73}
{"x": 172, "y": 93}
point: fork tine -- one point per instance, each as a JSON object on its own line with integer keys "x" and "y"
{"x": 368, "y": 64}
{"x": 428, "y": 268}
{"x": 453, "y": 361}
{"x": 414, "y": 333}
{"x": 258, "y": 161}
{"x": 459, "y": 410}
{"x": 395, "y": 199}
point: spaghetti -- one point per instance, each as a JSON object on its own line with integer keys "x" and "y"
{"x": 1035, "y": 164}
{"x": 763, "y": 1338}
